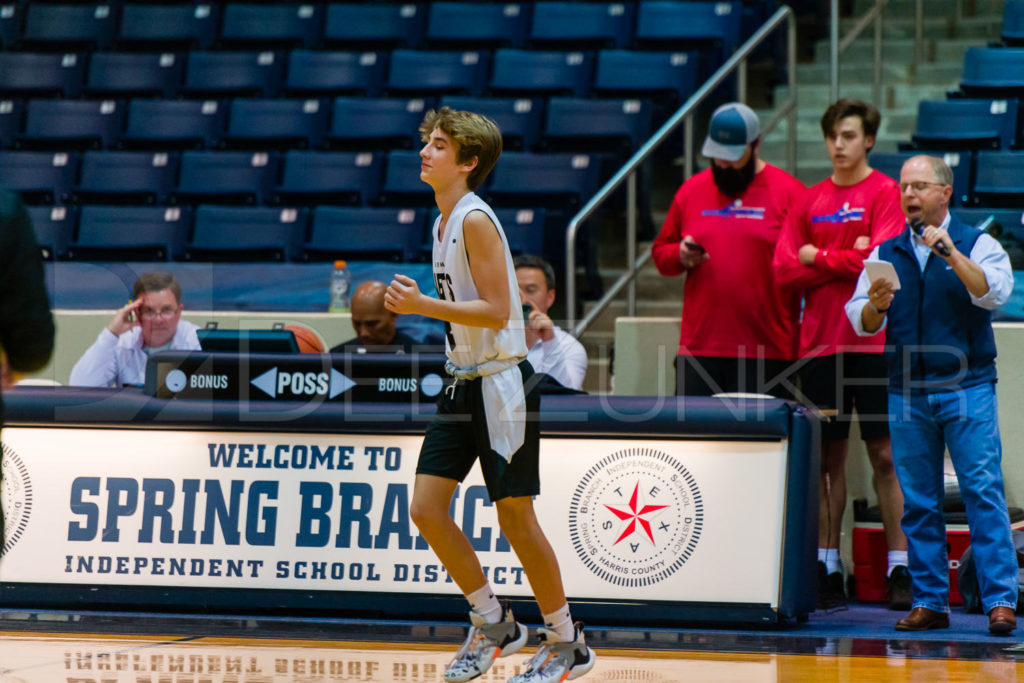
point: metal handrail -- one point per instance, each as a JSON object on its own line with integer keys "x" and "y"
{"x": 837, "y": 47}
{"x": 628, "y": 171}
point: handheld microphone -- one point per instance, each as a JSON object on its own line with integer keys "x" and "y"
{"x": 917, "y": 224}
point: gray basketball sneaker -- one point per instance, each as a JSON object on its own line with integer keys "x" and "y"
{"x": 485, "y": 643}
{"x": 557, "y": 660}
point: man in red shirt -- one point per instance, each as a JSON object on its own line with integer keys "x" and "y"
{"x": 739, "y": 332}
{"x": 820, "y": 254}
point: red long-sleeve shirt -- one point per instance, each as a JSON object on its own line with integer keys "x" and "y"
{"x": 732, "y": 307}
{"x": 832, "y": 217}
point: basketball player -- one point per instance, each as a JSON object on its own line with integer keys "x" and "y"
{"x": 484, "y": 414}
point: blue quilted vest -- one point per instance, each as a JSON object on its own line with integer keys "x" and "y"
{"x": 936, "y": 339}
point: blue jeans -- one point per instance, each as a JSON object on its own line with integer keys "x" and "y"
{"x": 965, "y": 421}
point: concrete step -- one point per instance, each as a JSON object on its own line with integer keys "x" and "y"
{"x": 933, "y": 8}
{"x": 863, "y": 73}
{"x": 935, "y": 25}
{"x": 657, "y": 308}
{"x": 818, "y": 98}
{"x": 598, "y": 377}
{"x": 899, "y": 50}
{"x": 896, "y": 123}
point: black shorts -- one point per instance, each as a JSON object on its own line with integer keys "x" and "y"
{"x": 710, "y": 375}
{"x": 846, "y": 382}
{"x": 458, "y": 435}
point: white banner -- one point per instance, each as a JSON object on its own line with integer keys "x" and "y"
{"x": 629, "y": 519}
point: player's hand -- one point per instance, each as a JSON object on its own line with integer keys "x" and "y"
{"x": 403, "y": 295}
{"x": 542, "y": 324}
{"x": 125, "y": 318}
{"x": 807, "y": 254}
{"x": 862, "y": 242}
{"x": 690, "y": 255}
{"x": 881, "y": 294}
{"x": 932, "y": 236}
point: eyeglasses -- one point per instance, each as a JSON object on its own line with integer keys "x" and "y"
{"x": 165, "y": 312}
{"x": 918, "y": 186}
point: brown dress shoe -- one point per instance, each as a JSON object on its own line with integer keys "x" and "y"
{"x": 1001, "y": 621}
{"x": 922, "y": 619}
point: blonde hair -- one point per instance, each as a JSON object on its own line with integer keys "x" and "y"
{"x": 474, "y": 135}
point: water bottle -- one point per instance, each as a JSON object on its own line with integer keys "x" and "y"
{"x": 341, "y": 281}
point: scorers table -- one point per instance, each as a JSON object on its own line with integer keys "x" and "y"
{"x": 280, "y": 483}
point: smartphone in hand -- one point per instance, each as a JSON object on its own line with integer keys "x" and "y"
{"x": 693, "y": 246}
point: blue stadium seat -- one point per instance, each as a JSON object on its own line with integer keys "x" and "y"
{"x": 185, "y": 26}
{"x": 1013, "y": 23}
{"x": 576, "y": 124}
{"x": 330, "y": 178}
{"x": 582, "y": 25}
{"x": 54, "y": 227}
{"x": 173, "y": 124}
{"x": 402, "y": 185}
{"x": 125, "y": 177}
{"x": 999, "y": 181}
{"x": 969, "y": 124}
{"x": 518, "y": 118}
{"x": 477, "y": 25}
{"x": 996, "y": 222}
{"x": 364, "y": 233}
{"x": 524, "y": 229}
{"x": 321, "y": 73}
{"x": 130, "y": 233}
{"x": 560, "y": 181}
{"x": 384, "y": 25}
{"x": 226, "y": 177}
{"x": 31, "y": 74}
{"x": 252, "y": 26}
{"x": 127, "y": 74}
{"x": 362, "y": 123}
{"x": 68, "y": 27}
{"x": 648, "y": 74}
{"x": 421, "y": 72}
{"x": 539, "y": 73}
{"x": 66, "y": 124}
{"x": 233, "y": 74}
{"x": 993, "y": 72}
{"x": 12, "y": 113}
{"x": 223, "y": 233}
{"x": 687, "y": 25}
{"x": 40, "y": 177}
{"x": 960, "y": 162}
{"x": 275, "y": 124}
{"x": 11, "y": 16}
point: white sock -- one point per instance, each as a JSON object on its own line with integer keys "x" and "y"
{"x": 897, "y": 558}
{"x": 560, "y": 622}
{"x": 484, "y": 603}
{"x": 830, "y": 556}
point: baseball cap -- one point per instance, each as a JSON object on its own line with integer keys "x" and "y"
{"x": 733, "y": 126}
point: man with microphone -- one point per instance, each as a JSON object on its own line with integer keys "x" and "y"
{"x": 941, "y": 358}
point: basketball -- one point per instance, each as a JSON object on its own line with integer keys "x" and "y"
{"x": 308, "y": 340}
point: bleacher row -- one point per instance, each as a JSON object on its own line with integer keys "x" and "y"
{"x": 35, "y": 25}
{"x": 979, "y": 131}
{"x": 211, "y": 233}
{"x": 304, "y": 114}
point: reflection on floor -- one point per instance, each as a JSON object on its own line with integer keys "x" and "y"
{"x": 80, "y": 658}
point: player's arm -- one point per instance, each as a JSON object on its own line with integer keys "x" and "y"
{"x": 486, "y": 254}
{"x": 887, "y": 221}
{"x": 790, "y": 273}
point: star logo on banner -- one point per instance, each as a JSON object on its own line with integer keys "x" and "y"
{"x": 634, "y": 514}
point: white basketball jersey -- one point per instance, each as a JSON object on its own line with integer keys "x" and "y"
{"x": 471, "y": 346}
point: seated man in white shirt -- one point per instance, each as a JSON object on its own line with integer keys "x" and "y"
{"x": 551, "y": 350}
{"x": 150, "y": 322}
